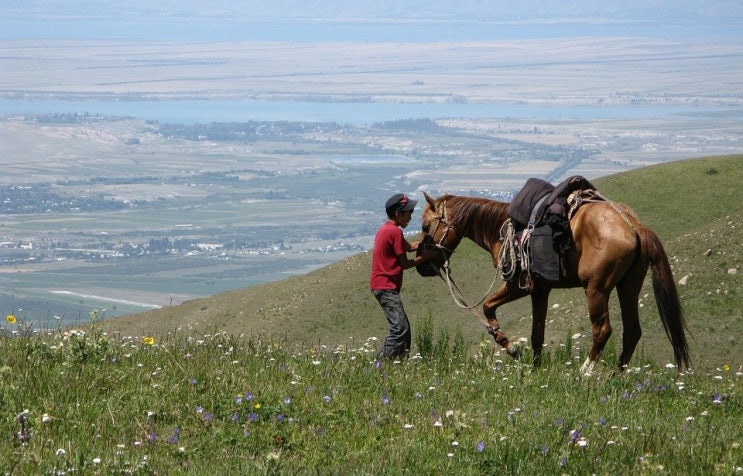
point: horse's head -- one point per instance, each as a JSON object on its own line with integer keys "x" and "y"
{"x": 438, "y": 232}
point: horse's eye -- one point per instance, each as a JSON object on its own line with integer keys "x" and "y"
{"x": 426, "y": 227}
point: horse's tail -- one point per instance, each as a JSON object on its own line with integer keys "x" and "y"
{"x": 666, "y": 296}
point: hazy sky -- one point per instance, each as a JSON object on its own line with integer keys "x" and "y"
{"x": 366, "y": 20}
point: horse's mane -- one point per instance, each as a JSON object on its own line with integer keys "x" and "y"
{"x": 478, "y": 218}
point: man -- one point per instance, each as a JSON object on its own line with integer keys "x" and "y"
{"x": 389, "y": 260}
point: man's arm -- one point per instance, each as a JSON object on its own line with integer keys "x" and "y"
{"x": 408, "y": 263}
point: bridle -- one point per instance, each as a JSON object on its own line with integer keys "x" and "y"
{"x": 441, "y": 219}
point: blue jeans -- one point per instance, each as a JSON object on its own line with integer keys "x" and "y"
{"x": 397, "y": 343}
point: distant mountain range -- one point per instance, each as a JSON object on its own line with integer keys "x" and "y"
{"x": 527, "y": 11}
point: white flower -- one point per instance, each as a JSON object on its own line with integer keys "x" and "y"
{"x": 60, "y": 452}
{"x": 96, "y": 461}
{"x": 45, "y": 418}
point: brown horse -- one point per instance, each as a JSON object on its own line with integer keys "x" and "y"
{"x": 612, "y": 249}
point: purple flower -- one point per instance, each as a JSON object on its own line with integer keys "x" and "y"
{"x": 385, "y": 399}
{"x": 253, "y": 417}
{"x": 544, "y": 449}
{"x": 327, "y": 398}
{"x": 563, "y": 461}
{"x": 480, "y": 446}
{"x": 717, "y": 398}
{"x": 280, "y": 418}
{"x": 574, "y": 436}
{"x": 248, "y": 396}
{"x": 602, "y": 421}
{"x": 377, "y": 364}
{"x": 238, "y": 400}
{"x": 559, "y": 421}
{"x": 208, "y": 417}
{"x": 235, "y": 417}
{"x": 193, "y": 381}
{"x": 175, "y": 436}
{"x": 287, "y": 400}
{"x": 152, "y": 437}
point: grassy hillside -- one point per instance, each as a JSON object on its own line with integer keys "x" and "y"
{"x": 693, "y": 205}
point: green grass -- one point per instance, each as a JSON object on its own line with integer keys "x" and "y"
{"x": 282, "y": 378}
{"x": 217, "y": 404}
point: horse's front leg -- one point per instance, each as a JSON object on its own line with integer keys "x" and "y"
{"x": 506, "y": 293}
{"x": 539, "y": 300}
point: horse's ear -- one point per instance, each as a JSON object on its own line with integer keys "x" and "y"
{"x": 431, "y": 201}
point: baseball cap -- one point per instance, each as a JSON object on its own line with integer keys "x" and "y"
{"x": 399, "y": 203}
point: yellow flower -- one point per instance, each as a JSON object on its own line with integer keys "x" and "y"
{"x": 257, "y": 406}
{"x": 726, "y": 367}
{"x": 10, "y": 318}
{"x": 148, "y": 340}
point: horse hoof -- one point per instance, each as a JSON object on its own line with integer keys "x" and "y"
{"x": 514, "y": 351}
{"x": 587, "y": 368}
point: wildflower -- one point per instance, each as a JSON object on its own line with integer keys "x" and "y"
{"x": 193, "y": 381}
{"x": 253, "y": 417}
{"x": 480, "y": 446}
{"x": 563, "y": 461}
{"x": 235, "y": 417}
{"x": 257, "y": 406}
{"x": 280, "y": 418}
{"x": 175, "y": 436}
{"x": 726, "y": 367}
{"x": 327, "y": 398}
{"x": 148, "y": 340}
{"x": 96, "y": 461}
{"x": 717, "y": 398}
{"x": 152, "y": 437}
{"x": 10, "y": 318}
{"x": 25, "y": 432}
{"x": 60, "y": 452}
{"x": 287, "y": 400}
{"x": 385, "y": 399}
{"x": 574, "y": 435}
{"x": 544, "y": 449}
{"x": 248, "y": 396}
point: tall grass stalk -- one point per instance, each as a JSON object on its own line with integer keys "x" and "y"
{"x": 220, "y": 404}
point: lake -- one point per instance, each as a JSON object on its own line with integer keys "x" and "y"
{"x": 205, "y": 111}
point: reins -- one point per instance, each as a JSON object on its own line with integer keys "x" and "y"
{"x": 454, "y": 290}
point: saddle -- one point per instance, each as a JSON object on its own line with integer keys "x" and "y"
{"x": 537, "y": 236}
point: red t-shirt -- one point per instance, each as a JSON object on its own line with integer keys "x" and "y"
{"x": 389, "y": 244}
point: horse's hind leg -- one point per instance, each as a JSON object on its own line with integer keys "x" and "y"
{"x": 506, "y": 293}
{"x": 597, "y": 300}
{"x": 628, "y": 291}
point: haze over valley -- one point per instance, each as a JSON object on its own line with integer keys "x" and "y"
{"x": 145, "y": 169}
